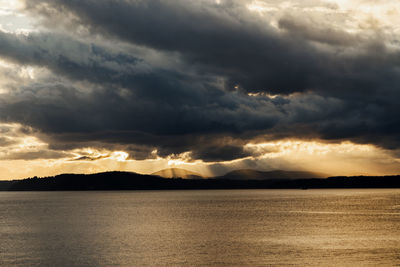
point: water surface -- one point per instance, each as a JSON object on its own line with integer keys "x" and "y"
{"x": 200, "y": 228}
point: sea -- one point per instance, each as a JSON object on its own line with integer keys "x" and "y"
{"x": 330, "y": 227}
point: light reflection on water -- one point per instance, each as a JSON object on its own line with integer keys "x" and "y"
{"x": 214, "y": 227}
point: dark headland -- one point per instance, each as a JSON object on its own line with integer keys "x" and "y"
{"x": 135, "y": 181}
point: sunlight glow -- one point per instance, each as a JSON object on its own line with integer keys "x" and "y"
{"x": 260, "y": 6}
{"x": 13, "y": 20}
{"x": 6, "y": 64}
{"x": 290, "y": 147}
{"x": 119, "y": 156}
{"x": 21, "y": 155}
{"x": 358, "y": 17}
{"x": 263, "y": 94}
{"x": 180, "y": 159}
{"x": 343, "y": 158}
{"x": 16, "y": 142}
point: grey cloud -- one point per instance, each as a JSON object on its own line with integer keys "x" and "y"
{"x": 160, "y": 109}
{"x": 5, "y": 141}
{"x": 32, "y": 155}
{"x": 314, "y": 31}
{"x": 130, "y": 104}
{"x": 208, "y": 35}
{"x": 70, "y": 57}
{"x": 226, "y": 39}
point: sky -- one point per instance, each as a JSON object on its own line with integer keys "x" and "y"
{"x": 205, "y": 85}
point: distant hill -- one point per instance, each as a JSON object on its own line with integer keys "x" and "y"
{"x": 98, "y": 181}
{"x": 177, "y": 173}
{"x": 135, "y": 181}
{"x": 248, "y": 174}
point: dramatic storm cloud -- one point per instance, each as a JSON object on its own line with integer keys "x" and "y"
{"x": 197, "y": 81}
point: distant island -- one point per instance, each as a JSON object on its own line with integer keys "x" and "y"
{"x": 240, "y": 179}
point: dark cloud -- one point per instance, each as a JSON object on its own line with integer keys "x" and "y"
{"x": 220, "y": 153}
{"x": 88, "y": 158}
{"x": 227, "y": 39}
{"x": 157, "y": 108}
{"x": 222, "y": 38}
{"x": 187, "y": 100}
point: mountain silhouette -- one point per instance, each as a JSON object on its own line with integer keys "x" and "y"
{"x": 135, "y": 181}
{"x": 177, "y": 173}
{"x": 249, "y": 174}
